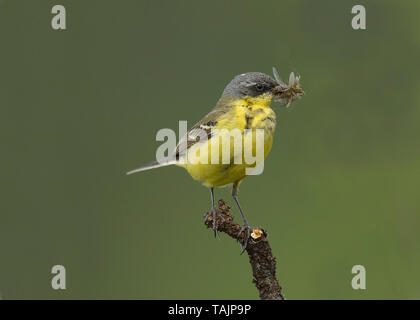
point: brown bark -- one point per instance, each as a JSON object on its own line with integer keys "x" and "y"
{"x": 261, "y": 258}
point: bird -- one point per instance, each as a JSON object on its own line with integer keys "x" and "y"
{"x": 244, "y": 107}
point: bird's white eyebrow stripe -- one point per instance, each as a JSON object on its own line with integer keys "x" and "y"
{"x": 248, "y": 84}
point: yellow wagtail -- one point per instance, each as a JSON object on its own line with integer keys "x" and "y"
{"x": 245, "y": 107}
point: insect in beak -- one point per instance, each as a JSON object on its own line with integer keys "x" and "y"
{"x": 287, "y": 93}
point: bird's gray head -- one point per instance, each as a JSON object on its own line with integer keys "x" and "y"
{"x": 250, "y": 84}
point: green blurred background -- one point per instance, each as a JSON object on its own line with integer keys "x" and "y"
{"x": 82, "y": 106}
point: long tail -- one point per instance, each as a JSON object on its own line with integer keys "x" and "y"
{"x": 152, "y": 165}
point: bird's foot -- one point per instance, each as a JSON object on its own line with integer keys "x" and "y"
{"x": 213, "y": 212}
{"x": 247, "y": 229}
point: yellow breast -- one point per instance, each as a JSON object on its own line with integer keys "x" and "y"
{"x": 237, "y": 126}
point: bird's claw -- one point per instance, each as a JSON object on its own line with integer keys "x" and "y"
{"x": 213, "y": 211}
{"x": 248, "y": 233}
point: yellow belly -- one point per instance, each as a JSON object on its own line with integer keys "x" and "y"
{"x": 244, "y": 118}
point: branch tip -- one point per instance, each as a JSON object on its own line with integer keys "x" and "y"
{"x": 260, "y": 255}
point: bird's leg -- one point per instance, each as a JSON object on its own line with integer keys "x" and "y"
{"x": 214, "y": 212}
{"x": 245, "y": 225}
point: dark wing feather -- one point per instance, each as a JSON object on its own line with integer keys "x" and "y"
{"x": 193, "y": 135}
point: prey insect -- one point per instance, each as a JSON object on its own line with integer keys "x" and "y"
{"x": 287, "y": 93}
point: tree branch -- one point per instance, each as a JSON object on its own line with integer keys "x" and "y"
{"x": 261, "y": 258}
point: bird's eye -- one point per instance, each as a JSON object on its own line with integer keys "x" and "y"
{"x": 259, "y": 86}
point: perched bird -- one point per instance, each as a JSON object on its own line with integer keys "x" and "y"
{"x": 244, "y": 106}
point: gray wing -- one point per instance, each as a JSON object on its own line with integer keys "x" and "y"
{"x": 203, "y": 128}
